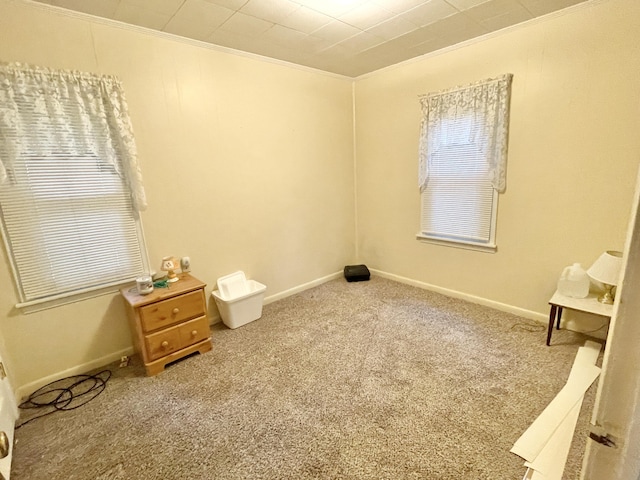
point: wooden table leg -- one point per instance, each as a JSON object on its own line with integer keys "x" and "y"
{"x": 552, "y": 317}
{"x": 559, "y": 317}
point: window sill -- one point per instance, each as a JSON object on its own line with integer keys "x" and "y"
{"x": 478, "y": 247}
{"x": 65, "y": 299}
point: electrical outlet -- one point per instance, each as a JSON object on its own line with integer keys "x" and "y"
{"x": 124, "y": 361}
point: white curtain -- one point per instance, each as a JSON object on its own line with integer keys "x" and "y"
{"x": 41, "y": 111}
{"x": 479, "y": 113}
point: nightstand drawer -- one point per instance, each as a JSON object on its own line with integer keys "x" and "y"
{"x": 175, "y": 338}
{"x": 163, "y": 343}
{"x": 194, "y": 331}
{"x": 172, "y": 310}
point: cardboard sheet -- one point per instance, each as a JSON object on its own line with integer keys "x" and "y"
{"x": 553, "y": 456}
{"x": 545, "y": 445}
{"x": 533, "y": 440}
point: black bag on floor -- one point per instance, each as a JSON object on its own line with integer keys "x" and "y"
{"x": 356, "y": 273}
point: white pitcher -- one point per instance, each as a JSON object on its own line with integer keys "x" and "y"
{"x": 574, "y": 282}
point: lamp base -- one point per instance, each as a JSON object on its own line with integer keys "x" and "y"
{"x": 172, "y": 277}
{"x": 607, "y": 296}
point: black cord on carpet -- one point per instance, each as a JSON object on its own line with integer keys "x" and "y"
{"x": 604, "y": 324}
{"x": 66, "y": 394}
{"x": 540, "y": 328}
{"x": 528, "y": 327}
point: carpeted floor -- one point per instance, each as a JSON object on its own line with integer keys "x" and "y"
{"x": 370, "y": 380}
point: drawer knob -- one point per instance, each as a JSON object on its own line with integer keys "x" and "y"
{"x": 194, "y": 333}
{"x": 164, "y": 344}
{"x": 176, "y": 310}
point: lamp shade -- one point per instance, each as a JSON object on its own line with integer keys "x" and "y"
{"x": 168, "y": 264}
{"x": 606, "y": 269}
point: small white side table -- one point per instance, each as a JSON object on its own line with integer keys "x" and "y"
{"x": 589, "y": 304}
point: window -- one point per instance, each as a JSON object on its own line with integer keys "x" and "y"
{"x": 462, "y": 163}
{"x": 71, "y": 187}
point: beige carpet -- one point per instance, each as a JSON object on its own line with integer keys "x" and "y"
{"x": 370, "y": 380}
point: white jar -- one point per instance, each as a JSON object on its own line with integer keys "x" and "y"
{"x": 574, "y": 282}
{"x": 144, "y": 284}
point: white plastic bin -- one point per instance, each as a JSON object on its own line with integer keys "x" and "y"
{"x": 233, "y": 285}
{"x": 241, "y": 309}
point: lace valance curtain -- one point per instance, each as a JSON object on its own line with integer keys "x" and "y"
{"x": 478, "y": 113}
{"x": 42, "y": 111}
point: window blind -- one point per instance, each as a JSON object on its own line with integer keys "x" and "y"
{"x": 67, "y": 202}
{"x": 70, "y": 225}
{"x": 458, "y": 202}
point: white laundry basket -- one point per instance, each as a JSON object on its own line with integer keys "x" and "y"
{"x": 239, "y": 300}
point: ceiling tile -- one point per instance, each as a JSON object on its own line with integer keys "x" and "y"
{"x": 465, "y": 4}
{"x": 272, "y": 10}
{"x": 429, "y": 12}
{"x": 230, "y": 4}
{"x": 336, "y": 31}
{"x": 333, "y": 8}
{"x": 284, "y": 36}
{"x": 305, "y": 20}
{"x": 399, "y": 6}
{"x": 493, "y": 8}
{"x": 328, "y": 64}
{"x": 453, "y": 37}
{"x": 336, "y": 52}
{"x": 166, "y": 7}
{"x": 233, "y": 40}
{"x": 392, "y": 28}
{"x": 366, "y": 15}
{"x": 506, "y": 19}
{"x": 315, "y": 44}
{"x": 260, "y": 47}
{"x": 383, "y": 55}
{"x": 455, "y": 29}
{"x": 198, "y": 19}
{"x": 339, "y": 60}
{"x": 360, "y": 42}
{"x": 99, "y": 8}
{"x": 542, "y": 7}
{"x": 415, "y": 37}
{"x": 429, "y": 46}
{"x": 290, "y": 53}
{"x": 497, "y": 14}
{"x": 245, "y": 24}
{"x": 140, "y": 16}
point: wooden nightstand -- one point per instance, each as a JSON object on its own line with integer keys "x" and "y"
{"x": 169, "y": 323}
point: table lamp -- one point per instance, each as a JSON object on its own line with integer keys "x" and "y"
{"x": 606, "y": 270}
{"x": 169, "y": 264}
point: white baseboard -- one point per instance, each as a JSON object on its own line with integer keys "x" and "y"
{"x": 301, "y": 288}
{"x": 503, "y": 307}
{"x": 23, "y": 391}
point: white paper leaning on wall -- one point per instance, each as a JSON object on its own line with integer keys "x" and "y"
{"x": 545, "y": 444}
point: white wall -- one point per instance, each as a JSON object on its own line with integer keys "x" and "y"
{"x": 247, "y": 165}
{"x": 573, "y": 154}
